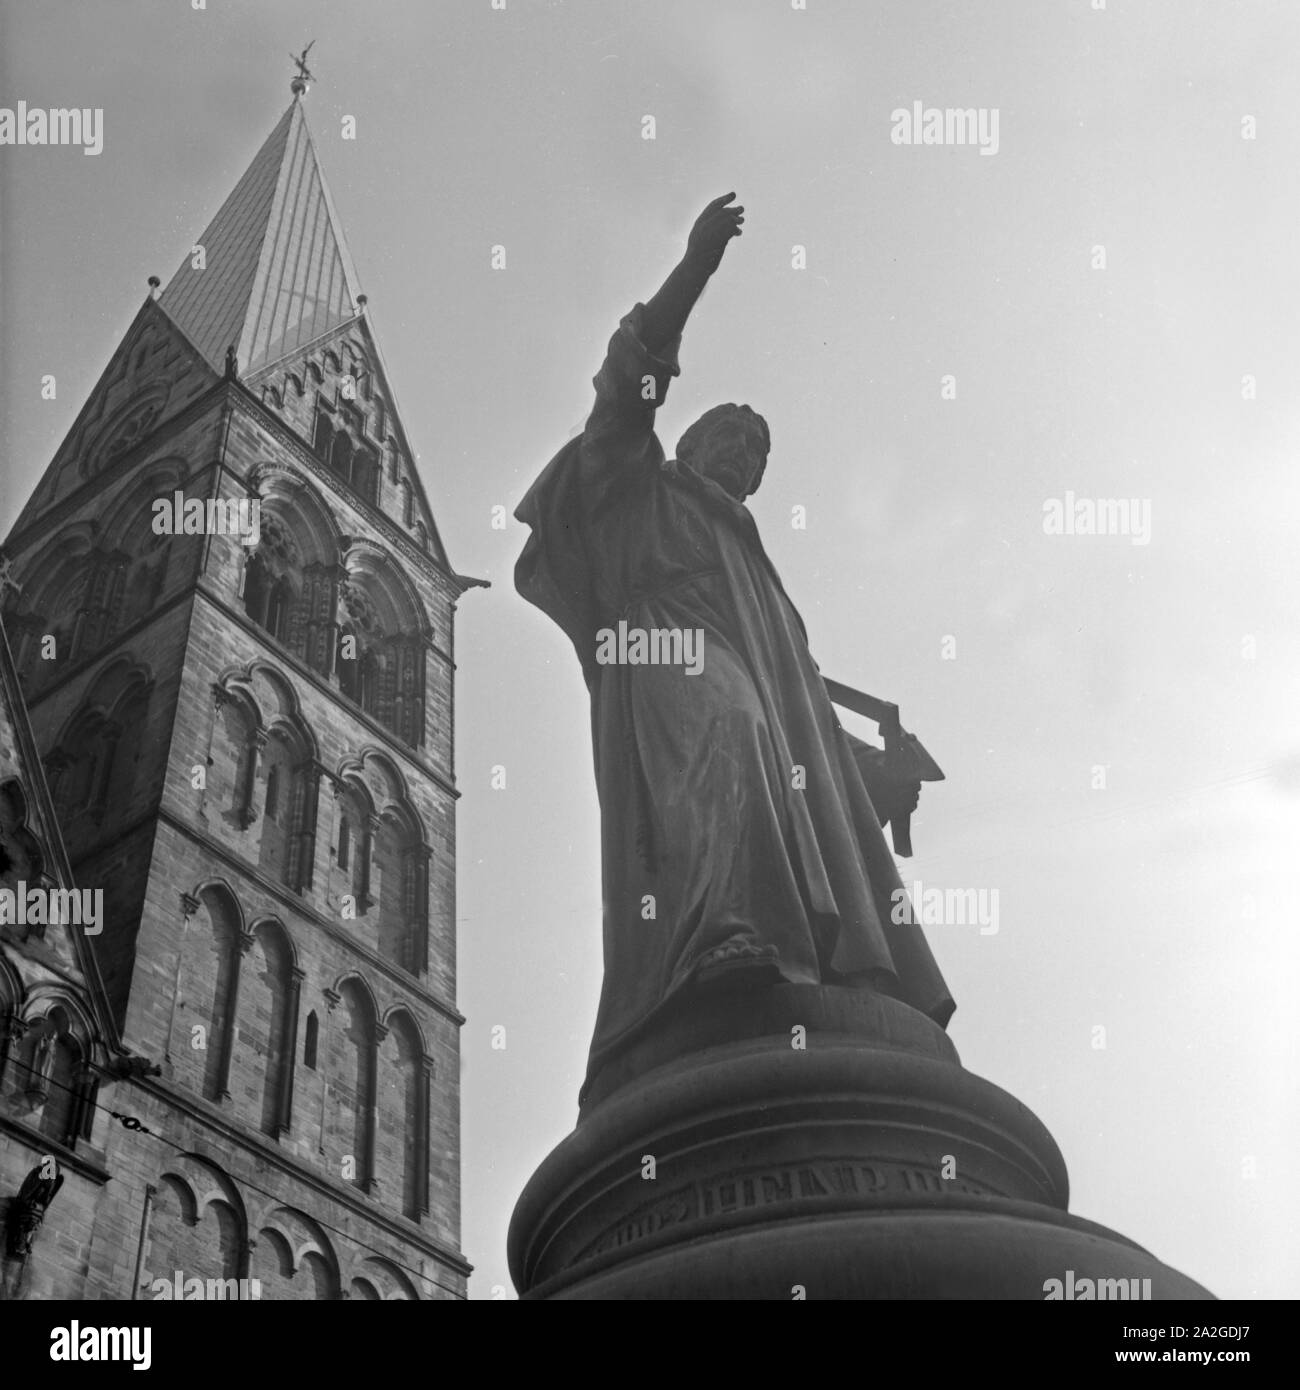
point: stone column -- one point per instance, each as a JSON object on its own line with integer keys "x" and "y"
{"x": 189, "y": 906}
{"x": 307, "y": 801}
{"x": 323, "y": 1057}
{"x": 256, "y": 757}
{"x": 367, "y": 848}
{"x": 424, "y": 1080}
{"x": 371, "y": 1183}
{"x": 243, "y": 945}
{"x": 293, "y": 1004}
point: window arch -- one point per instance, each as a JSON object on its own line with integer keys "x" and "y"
{"x": 388, "y": 863}
{"x": 264, "y": 769}
{"x": 199, "y": 1224}
{"x": 207, "y": 994}
{"x": 385, "y": 620}
{"x": 267, "y": 1026}
{"x": 354, "y": 1080}
{"x": 284, "y": 772}
{"x": 353, "y": 846}
{"x": 52, "y": 1078}
{"x": 294, "y": 1259}
{"x": 290, "y": 580}
{"x": 99, "y": 752}
{"x": 402, "y": 1144}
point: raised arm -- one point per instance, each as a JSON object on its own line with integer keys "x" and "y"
{"x": 642, "y": 355}
{"x": 666, "y": 313}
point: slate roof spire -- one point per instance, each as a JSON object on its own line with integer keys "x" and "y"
{"x": 276, "y": 270}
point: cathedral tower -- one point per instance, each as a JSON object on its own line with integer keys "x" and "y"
{"x": 233, "y": 632}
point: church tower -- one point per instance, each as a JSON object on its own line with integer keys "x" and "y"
{"x": 233, "y": 631}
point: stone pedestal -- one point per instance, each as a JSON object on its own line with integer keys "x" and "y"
{"x": 816, "y": 1141}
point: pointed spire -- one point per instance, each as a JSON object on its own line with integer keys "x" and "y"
{"x": 276, "y": 271}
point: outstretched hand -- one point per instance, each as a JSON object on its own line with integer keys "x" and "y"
{"x": 713, "y": 228}
{"x": 666, "y": 312}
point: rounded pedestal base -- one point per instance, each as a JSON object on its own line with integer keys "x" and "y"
{"x": 823, "y": 1165}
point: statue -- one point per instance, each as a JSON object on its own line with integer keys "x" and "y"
{"x": 740, "y": 844}
{"x": 27, "y": 1210}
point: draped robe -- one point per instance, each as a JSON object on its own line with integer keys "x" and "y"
{"x": 732, "y": 808}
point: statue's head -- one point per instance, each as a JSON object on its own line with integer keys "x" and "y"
{"x": 728, "y": 444}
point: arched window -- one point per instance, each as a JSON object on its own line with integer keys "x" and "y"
{"x": 353, "y": 1082}
{"x": 401, "y": 1142}
{"x": 97, "y": 760}
{"x": 388, "y": 873}
{"x": 285, "y": 809}
{"x": 382, "y": 622}
{"x": 231, "y": 782}
{"x": 293, "y": 1259}
{"x": 350, "y": 873}
{"x": 53, "y": 1075}
{"x": 265, "y": 1028}
{"x": 396, "y": 875}
{"x": 82, "y": 787}
{"x": 200, "y": 1045}
{"x": 197, "y": 1225}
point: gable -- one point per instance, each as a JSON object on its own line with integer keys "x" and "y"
{"x": 338, "y": 386}
{"x": 154, "y": 374}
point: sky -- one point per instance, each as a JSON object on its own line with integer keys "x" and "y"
{"x": 1106, "y": 307}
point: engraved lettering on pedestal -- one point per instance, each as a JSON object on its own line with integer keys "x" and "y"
{"x": 773, "y": 1186}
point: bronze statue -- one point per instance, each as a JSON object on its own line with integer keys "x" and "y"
{"x": 739, "y": 841}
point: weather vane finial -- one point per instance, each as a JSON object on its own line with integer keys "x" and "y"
{"x": 299, "y": 84}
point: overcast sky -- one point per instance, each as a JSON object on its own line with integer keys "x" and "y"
{"x": 1161, "y": 908}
